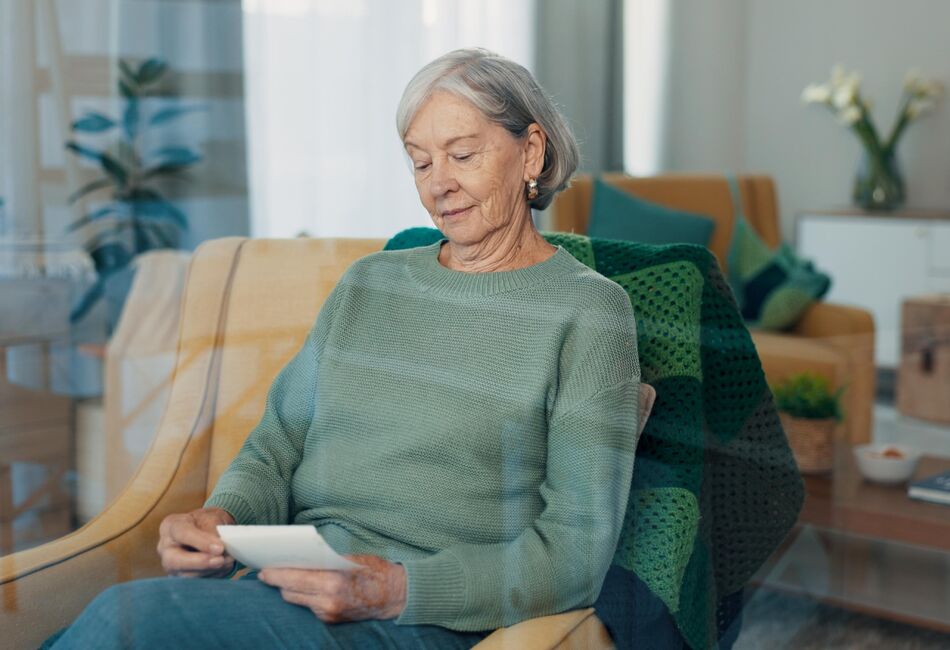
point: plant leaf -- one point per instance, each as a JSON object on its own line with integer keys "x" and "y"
{"x": 88, "y": 188}
{"x": 131, "y": 118}
{"x": 126, "y": 70}
{"x": 166, "y": 171}
{"x": 126, "y": 90}
{"x": 172, "y": 174}
{"x": 94, "y": 123}
{"x": 111, "y": 257}
{"x": 109, "y": 164}
{"x": 159, "y": 209}
{"x": 113, "y": 168}
{"x": 84, "y": 152}
{"x": 151, "y": 204}
{"x": 109, "y": 235}
{"x": 92, "y": 216}
{"x": 146, "y": 194}
{"x": 174, "y": 112}
{"x": 176, "y": 159}
{"x": 178, "y": 156}
{"x": 150, "y": 71}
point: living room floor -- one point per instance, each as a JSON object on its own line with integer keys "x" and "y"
{"x": 777, "y": 619}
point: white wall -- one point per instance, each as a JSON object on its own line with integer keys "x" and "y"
{"x": 739, "y": 69}
{"x": 705, "y": 120}
{"x": 812, "y": 157}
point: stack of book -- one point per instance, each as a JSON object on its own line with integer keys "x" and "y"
{"x": 934, "y": 488}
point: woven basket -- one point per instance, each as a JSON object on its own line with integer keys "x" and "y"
{"x": 812, "y": 442}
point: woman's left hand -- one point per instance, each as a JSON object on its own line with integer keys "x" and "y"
{"x": 377, "y": 590}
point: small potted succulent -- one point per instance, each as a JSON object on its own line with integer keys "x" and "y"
{"x": 809, "y": 410}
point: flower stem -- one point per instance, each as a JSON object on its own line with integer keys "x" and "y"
{"x": 903, "y": 119}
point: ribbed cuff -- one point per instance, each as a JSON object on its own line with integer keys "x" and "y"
{"x": 435, "y": 590}
{"x": 234, "y": 504}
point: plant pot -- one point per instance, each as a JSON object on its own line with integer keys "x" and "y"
{"x": 879, "y": 184}
{"x": 812, "y": 442}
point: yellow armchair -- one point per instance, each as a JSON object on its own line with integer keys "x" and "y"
{"x": 247, "y": 307}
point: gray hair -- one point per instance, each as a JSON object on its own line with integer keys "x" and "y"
{"x": 505, "y": 93}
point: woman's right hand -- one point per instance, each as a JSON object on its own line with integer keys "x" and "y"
{"x": 189, "y": 544}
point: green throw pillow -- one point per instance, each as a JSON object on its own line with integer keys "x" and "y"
{"x": 616, "y": 214}
{"x": 773, "y": 287}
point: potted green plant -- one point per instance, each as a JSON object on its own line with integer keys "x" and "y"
{"x": 809, "y": 410}
{"x": 137, "y": 216}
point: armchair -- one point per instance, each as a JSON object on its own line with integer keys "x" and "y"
{"x": 246, "y": 309}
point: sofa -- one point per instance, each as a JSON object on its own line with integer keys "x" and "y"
{"x": 835, "y": 341}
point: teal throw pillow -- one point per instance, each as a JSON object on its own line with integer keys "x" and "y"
{"x": 773, "y": 288}
{"x": 616, "y": 214}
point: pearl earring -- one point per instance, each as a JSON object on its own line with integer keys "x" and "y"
{"x": 532, "y": 189}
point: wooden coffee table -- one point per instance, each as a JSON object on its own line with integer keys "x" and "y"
{"x": 869, "y": 547}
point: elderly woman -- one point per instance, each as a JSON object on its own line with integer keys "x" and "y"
{"x": 461, "y": 419}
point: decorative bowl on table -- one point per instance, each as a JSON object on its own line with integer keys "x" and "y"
{"x": 886, "y": 462}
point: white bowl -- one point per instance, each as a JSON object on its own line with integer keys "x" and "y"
{"x": 877, "y": 467}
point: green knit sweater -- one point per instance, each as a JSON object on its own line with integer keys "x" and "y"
{"x": 478, "y": 428}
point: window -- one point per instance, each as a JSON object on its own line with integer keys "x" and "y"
{"x": 323, "y": 81}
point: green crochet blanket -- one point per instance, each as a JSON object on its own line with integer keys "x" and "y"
{"x": 715, "y": 488}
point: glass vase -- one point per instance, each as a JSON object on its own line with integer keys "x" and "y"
{"x": 879, "y": 184}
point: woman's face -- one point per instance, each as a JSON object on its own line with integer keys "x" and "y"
{"x": 470, "y": 172}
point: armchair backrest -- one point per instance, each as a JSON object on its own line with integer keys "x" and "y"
{"x": 275, "y": 293}
{"x": 703, "y": 194}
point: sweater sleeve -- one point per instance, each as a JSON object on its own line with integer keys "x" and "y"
{"x": 560, "y": 561}
{"x": 255, "y": 489}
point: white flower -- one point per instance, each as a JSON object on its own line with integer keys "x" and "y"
{"x": 816, "y": 94}
{"x": 838, "y": 75}
{"x": 919, "y": 86}
{"x": 917, "y": 107}
{"x": 844, "y": 95}
{"x": 850, "y": 115}
{"x": 932, "y": 89}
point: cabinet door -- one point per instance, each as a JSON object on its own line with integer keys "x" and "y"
{"x": 940, "y": 258}
{"x": 874, "y": 263}
{"x": 940, "y": 250}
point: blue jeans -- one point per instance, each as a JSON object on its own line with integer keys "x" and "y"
{"x": 194, "y": 613}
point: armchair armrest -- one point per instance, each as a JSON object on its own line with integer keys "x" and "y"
{"x": 45, "y": 588}
{"x": 579, "y": 629}
{"x": 827, "y": 320}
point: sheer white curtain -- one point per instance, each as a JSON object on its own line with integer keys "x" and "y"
{"x": 323, "y": 78}
{"x": 646, "y": 67}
